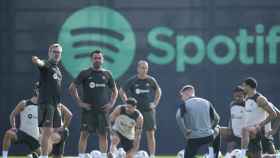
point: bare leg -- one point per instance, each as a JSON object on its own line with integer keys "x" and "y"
{"x": 83, "y": 142}
{"x": 46, "y": 133}
{"x": 151, "y": 141}
{"x": 8, "y": 138}
{"x": 115, "y": 140}
{"x": 103, "y": 143}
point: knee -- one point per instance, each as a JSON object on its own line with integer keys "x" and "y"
{"x": 115, "y": 140}
{"x": 102, "y": 137}
{"x": 244, "y": 131}
{"x": 47, "y": 132}
{"x": 10, "y": 134}
{"x": 151, "y": 134}
{"x": 84, "y": 135}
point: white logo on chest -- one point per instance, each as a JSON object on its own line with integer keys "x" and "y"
{"x": 95, "y": 85}
{"x": 92, "y": 85}
{"x": 140, "y": 91}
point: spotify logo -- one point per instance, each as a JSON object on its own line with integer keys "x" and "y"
{"x": 99, "y": 28}
{"x": 105, "y": 29}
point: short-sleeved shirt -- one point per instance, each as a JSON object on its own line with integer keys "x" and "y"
{"x": 97, "y": 86}
{"x": 125, "y": 123}
{"x": 50, "y": 84}
{"x": 142, "y": 90}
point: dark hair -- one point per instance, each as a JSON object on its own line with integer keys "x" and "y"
{"x": 131, "y": 101}
{"x": 95, "y": 52}
{"x": 250, "y": 81}
{"x": 238, "y": 89}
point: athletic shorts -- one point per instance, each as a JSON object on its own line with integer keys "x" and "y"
{"x": 94, "y": 121}
{"x": 236, "y": 140}
{"x": 48, "y": 114}
{"x": 24, "y": 138}
{"x": 149, "y": 120}
{"x": 194, "y": 144}
{"x": 268, "y": 145}
{"x": 125, "y": 143}
{"x": 255, "y": 145}
{"x": 58, "y": 149}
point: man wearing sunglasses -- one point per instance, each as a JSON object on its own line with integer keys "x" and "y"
{"x": 50, "y": 92}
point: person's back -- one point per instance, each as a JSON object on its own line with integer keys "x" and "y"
{"x": 197, "y": 117}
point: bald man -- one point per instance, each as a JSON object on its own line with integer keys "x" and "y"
{"x": 145, "y": 89}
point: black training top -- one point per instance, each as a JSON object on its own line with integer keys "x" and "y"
{"x": 50, "y": 84}
{"x": 97, "y": 86}
{"x": 142, "y": 90}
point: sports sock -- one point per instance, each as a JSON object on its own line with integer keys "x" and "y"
{"x": 5, "y": 154}
{"x": 82, "y": 155}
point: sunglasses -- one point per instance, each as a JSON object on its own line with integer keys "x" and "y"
{"x": 56, "y": 52}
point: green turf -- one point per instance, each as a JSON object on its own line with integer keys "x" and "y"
{"x": 76, "y": 157}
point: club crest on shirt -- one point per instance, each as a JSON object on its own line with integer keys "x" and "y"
{"x": 29, "y": 116}
{"x": 92, "y": 85}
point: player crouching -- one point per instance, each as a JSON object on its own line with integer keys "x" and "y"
{"x": 127, "y": 127}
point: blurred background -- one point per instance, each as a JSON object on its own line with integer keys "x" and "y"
{"x": 212, "y": 44}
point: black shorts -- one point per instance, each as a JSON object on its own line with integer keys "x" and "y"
{"x": 268, "y": 145}
{"x": 23, "y": 138}
{"x": 194, "y": 144}
{"x": 58, "y": 149}
{"x": 125, "y": 143}
{"x": 94, "y": 121}
{"x": 48, "y": 116}
{"x": 149, "y": 120}
{"x": 236, "y": 140}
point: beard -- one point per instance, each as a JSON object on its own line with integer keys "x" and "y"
{"x": 97, "y": 65}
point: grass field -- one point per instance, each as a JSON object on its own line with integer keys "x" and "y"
{"x": 76, "y": 157}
